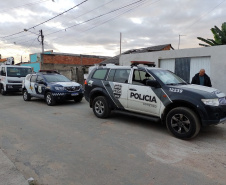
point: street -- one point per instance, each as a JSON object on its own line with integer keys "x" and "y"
{"x": 67, "y": 144}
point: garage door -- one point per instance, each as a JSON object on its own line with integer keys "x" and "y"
{"x": 199, "y": 63}
{"x": 168, "y": 64}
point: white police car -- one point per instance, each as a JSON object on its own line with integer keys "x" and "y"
{"x": 157, "y": 94}
{"x": 52, "y": 87}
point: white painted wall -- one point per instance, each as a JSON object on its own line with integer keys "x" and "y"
{"x": 216, "y": 55}
{"x": 167, "y": 64}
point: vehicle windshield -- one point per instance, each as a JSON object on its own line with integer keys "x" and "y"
{"x": 168, "y": 78}
{"x": 56, "y": 78}
{"x": 17, "y": 71}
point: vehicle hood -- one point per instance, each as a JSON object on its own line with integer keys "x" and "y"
{"x": 65, "y": 84}
{"x": 201, "y": 89}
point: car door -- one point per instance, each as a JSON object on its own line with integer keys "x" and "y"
{"x": 40, "y": 86}
{"x": 117, "y": 86}
{"x": 142, "y": 98}
{"x": 30, "y": 85}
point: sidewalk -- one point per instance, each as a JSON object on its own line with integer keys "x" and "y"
{"x": 9, "y": 175}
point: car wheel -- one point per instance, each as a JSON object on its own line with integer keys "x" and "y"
{"x": 26, "y": 95}
{"x": 2, "y": 90}
{"x": 183, "y": 123}
{"x": 78, "y": 99}
{"x": 100, "y": 107}
{"x": 49, "y": 99}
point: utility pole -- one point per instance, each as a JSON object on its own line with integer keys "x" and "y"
{"x": 179, "y": 40}
{"x": 120, "y": 43}
{"x": 42, "y": 40}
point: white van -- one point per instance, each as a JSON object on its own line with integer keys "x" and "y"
{"x": 11, "y": 77}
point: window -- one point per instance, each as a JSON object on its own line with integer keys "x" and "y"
{"x": 100, "y": 74}
{"x": 111, "y": 75}
{"x": 121, "y": 75}
{"x": 18, "y": 71}
{"x": 39, "y": 78}
{"x": 56, "y": 78}
{"x": 168, "y": 77}
{"x": 140, "y": 77}
{"x": 33, "y": 78}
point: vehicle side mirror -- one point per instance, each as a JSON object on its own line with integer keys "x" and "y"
{"x": 153, "y": 83}
{"x": 40, "y": 82}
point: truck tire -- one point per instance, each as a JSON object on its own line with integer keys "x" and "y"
{"x": 2, "y": 90}
{"x": 183, "y": 123}
{"x": 49, "y": 99}
{"x": 100, "y": 107}
{"x": 26, "y": 95}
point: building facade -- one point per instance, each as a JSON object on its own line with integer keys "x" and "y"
{"x": 187, "y": 62}
{"x": 74, "y": 66}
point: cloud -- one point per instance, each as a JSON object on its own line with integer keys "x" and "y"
{"x": 152, "y": 23}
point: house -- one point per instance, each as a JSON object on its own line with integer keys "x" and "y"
{"x": 187, "y": 62}
{"x": 115, "y": 59}
{"x": 74, "y": 66}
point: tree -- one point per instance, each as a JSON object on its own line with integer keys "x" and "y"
{"x": 219, "y": 37}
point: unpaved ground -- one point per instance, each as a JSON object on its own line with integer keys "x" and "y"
{"x": 67, "y": 144}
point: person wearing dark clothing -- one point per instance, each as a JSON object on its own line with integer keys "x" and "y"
{"x": 201, "y": 79}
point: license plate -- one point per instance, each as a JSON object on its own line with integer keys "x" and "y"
{"x": 74, "y": 94}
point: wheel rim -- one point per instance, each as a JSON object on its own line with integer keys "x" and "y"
{"x": 99, "y": 107}
{"x": 25, "y": 95}
{"x": 180, "y": 124}
{"x": 48, "y": 99}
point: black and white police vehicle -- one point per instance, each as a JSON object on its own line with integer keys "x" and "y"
{"x": 51, "y": 86}
{"x": 156, "y": 94}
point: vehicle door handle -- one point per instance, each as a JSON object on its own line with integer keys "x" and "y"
{"x": 133, "y": 89}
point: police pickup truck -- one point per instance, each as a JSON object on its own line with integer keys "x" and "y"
{"x": 156, "y": 94}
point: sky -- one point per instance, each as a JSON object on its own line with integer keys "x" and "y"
{"x": 93, "y": 27}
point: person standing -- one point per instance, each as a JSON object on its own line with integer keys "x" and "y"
{"x": 202, "y": 78}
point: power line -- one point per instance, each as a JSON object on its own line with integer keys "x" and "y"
{"x": 115, "y": 16}
{"x": 200, "y": 18}
{"x": 13, "y": 38}
{"x": 112, "y": 18}
{"x": 95, "y": 17}
{"x": 134, "y": 5}
{"x": 87, "y": 12}
{"x": 46, "y": 20}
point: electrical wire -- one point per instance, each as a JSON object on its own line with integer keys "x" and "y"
{"x": 46, "y": 20}
{"x": 134, "y": 5}
{"x": 87, "y": 12}
{"x": 201, "y": 17}
{"x": 95, "y": 17}
{"x": 113, "y": 17}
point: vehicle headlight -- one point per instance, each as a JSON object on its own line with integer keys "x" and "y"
{"x": 212, "y": 102}
{"x": 59, "y": 88}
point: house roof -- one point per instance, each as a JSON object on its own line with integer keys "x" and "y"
{"x": 115, "y": 59}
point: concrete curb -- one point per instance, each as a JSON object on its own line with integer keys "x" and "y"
{"x": 9, "y": 174}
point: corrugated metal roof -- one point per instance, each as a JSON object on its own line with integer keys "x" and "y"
{"x": 115, "y": 59}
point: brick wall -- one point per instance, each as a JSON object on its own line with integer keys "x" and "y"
{"x": 72, "y": 60}
{"x": 167, "y": 48}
